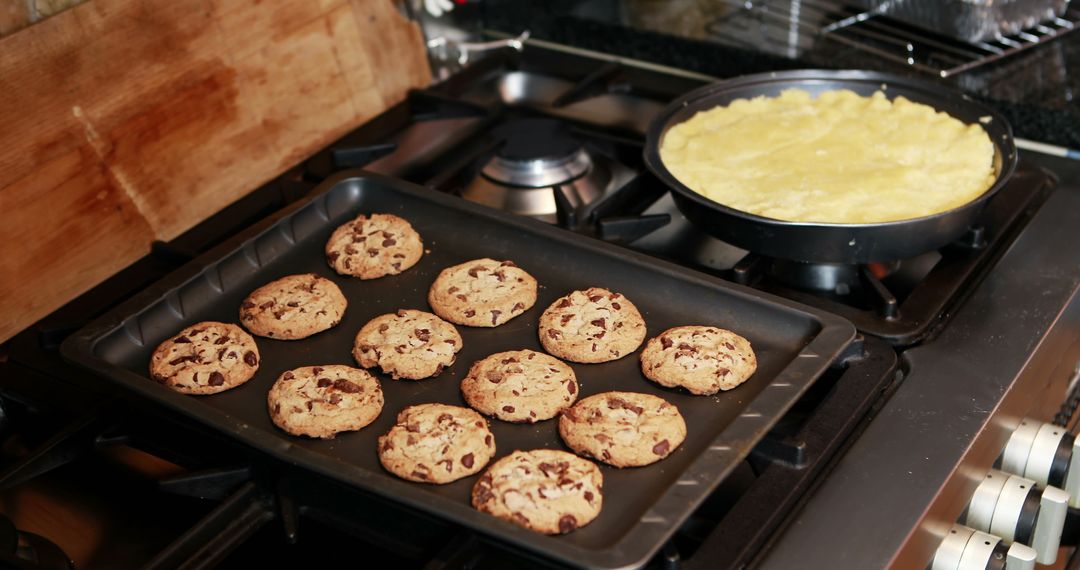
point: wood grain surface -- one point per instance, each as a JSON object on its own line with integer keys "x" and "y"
{"x": 126, "y": 121}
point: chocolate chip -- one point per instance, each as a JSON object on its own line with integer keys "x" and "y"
{"x": 323, "y": 382}
{"x": 495, "y": 315}
{"x": 383, "y": 328}
{"x": 483, "y": 492}
{"x": 316, "y": 369}
{"x": 595, "y": 298}
{"x": 452, "y": 290}
{"x": 599, "y": 335}
{"x": 266, "y": 305}
{"x": 494, "y": 376}
{"x": 588, "y": 496}
{"x": 666, "y": 342}
{"x": 500, "y": 276}
{"x": 250, "y": 359}
{"x": 288, "y": 376}
{"x": 567, "y": 523}
{"x": 571, "y": 387}
{"x": 475, "y": 270}
{"x": 599, "y": 323}
{"x": 451, "y": 342}
{"x": 729, "y": 346}
{"x": 247, "y": 305}
{"x": 181, "y": 339}
{"x": 293, "y": 304}
{"x": 344, "y": 385}
{"x": 216, "y": 378}
{"x": 662, "y": 447}
{"x": 563, "y": 303}
{"x": 508, "y": 409}
{"x": 332, "y": 256}
{"x": 518, "y": 307}
{"x": 487, "y": 440}
{"x": 183, "y": 359}
{"x": 470, "y": 313}
{"x": 420, "y": 475}
{"x": 467, "y": 460}
{"x": 616, "y": 306}
{"x": 335, "y": 398}
{"x": 372, "y": 252}
{"x": 685, "y": 346}
{"x": 423, "y": 335}
{"x": 221, "y": 340}
{"x": 350, "y": 250}
{"x": 402, "y": 313}
{"x": 449, "y": 464}
{"x": 507, "y": 264}
{"x": 389, "y": 242}
{"x": 277, "y": 408}
{"x": 553, "y": 334}
{"x": 438, "y": 370}
{"x": 565, "y": 319}
{"x": 414, "y": 427}
{"x": 310, "y": 405}
{"x": 462, "y": 297}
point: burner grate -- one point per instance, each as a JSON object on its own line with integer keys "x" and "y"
{"x": 789, "y": 28}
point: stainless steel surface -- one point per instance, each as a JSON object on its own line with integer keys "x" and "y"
{"x": 1007, "y": 353}
{"x": 970, "y": 20}
{"x": 602, "y": 176}
{"x": 538, "y": 172}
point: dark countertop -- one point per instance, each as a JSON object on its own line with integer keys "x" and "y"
{"x": 1034, "y": 90}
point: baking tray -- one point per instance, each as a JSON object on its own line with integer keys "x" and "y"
{"x": 642, "y": 506}
{"x": 971, "y": 21}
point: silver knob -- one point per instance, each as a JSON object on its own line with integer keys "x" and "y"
{"x": 965, "y": 548}
{"x": 1015, "y": 509}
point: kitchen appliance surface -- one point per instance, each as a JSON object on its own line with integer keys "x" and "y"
{"x": 165, "y": 491}
{"x": 794, "y": 345}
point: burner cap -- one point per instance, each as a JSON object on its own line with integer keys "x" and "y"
{"x": 536, "y": 139}
{"x": 536, "y": 153}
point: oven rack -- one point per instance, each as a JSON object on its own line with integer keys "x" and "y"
{"x": 787, "y": 27}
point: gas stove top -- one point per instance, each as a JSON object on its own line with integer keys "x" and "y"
{"x": 541, "y": 133}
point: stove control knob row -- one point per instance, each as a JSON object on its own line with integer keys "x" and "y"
{"x": 1015, "y": 509}
{"x": 965, "y": 548}
{"x": 1046, "y": 453}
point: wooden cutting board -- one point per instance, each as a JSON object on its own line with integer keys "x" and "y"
{"x": 125, "y": 121}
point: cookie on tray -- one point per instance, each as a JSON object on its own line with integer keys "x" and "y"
{"x": 322, "y": 401}
{"x": 545, "y": 490}
{"x": 482, "y": 293}
{"x": 374, "y": 246}
{"x": 436, "y": 443}
{"x": 624, "y": 429}
{"x": 293, "y": 307}
{"x": 704, "y": 360}
{"x": 594, "y": 325}
{"x": 205, "y": 358}
{"x": 408, "y": 344}
{"x": 521, "y": 386}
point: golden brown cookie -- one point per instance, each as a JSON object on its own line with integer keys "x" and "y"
{"x": 624, "y": 429}
{"x": 545, "y": 490}
{"x": 520, "y": 386}
{"x": 436, "y": 443}
{"x": 594, "y": 325}
{"x": 482, "y": 293}
{"x": 322, "y": 401}
{"x": 293, "y": 307}
{"x": 205, "y": 358}
{"x": 407, "y": 344}
{"x": 373, "y": 246}
{"x": 704, "y": 360}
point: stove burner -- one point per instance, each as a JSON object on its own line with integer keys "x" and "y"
{"x": 539, "y": 170}
{"x": 536, "y": 153}
{"x": 838, "y": 278}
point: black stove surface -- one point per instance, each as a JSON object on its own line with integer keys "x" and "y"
{"x": 71, "y": 446}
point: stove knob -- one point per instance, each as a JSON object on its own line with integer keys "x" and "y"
{"x": 965, "y": 548}
{"x": 1047, "y": 454}
{"x": 1015, "y": 509}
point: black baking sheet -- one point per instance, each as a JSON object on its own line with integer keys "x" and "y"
{"x": 642, "y": 506}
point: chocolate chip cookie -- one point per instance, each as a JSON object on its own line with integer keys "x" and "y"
{"x": 701, "y": 359}
{"x": 624, "y": 429}
{"x": 407, "y": 344}
{"x": 321, "y": 401}
{"x": 545, "y": 490}
{"x": 482, "y": 293}
{"x": 205, "y": 358}
{"x": 293, "y": 307}
{"x": 436, "y": 443}
{"x": 522, "y": 386}
{"x": 594, "y": 325}
{"x": 374, "y": 246}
